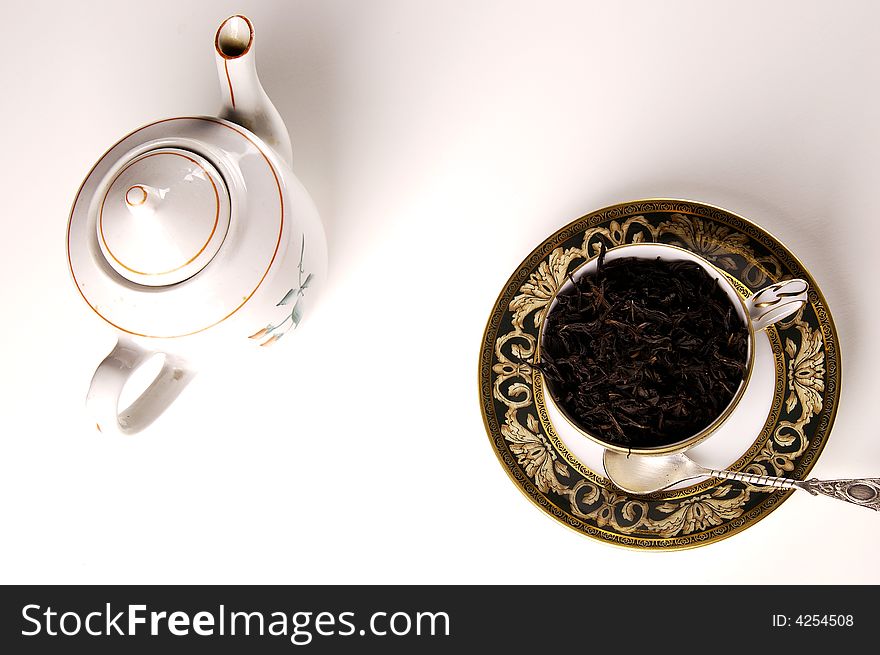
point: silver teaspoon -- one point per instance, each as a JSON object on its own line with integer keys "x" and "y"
{"x": 644, "y": 474}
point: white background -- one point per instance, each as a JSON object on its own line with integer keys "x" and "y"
{"x": 441, "y": 142}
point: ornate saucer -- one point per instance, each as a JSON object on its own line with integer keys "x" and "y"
{"x": 780, "y": 431}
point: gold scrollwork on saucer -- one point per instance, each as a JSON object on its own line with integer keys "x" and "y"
{"x": 807, "y": 384}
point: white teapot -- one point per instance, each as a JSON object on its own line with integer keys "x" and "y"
{"x": 192, "y": 233}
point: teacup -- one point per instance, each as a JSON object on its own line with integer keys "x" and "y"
{"x": 765, "y": 307}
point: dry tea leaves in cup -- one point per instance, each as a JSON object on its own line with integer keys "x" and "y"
{"x": 645, "y": 352}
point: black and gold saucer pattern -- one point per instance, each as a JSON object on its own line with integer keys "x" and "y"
{"x": 805, "y": 398}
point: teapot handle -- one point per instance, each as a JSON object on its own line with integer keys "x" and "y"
{"x": 776, "y": 302}
{"x": 110, "y": 377}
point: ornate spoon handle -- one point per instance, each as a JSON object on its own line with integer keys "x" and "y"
{"x": 859, "y": 491}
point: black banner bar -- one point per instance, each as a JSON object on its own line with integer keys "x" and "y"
{"x": 428, "y": 619}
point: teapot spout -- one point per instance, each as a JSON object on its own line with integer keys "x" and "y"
{"x": 244, "y": 100}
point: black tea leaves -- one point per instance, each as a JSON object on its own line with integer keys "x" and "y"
{"x": 644, "y": 352}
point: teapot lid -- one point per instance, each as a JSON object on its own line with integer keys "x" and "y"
{"x": 177, "y": 226}
{"x": 163, "y": 217}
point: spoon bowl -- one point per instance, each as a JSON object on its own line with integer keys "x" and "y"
{"x": 641, "y": 474}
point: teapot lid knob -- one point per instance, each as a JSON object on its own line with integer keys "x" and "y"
{"x": 136, "y": 196}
